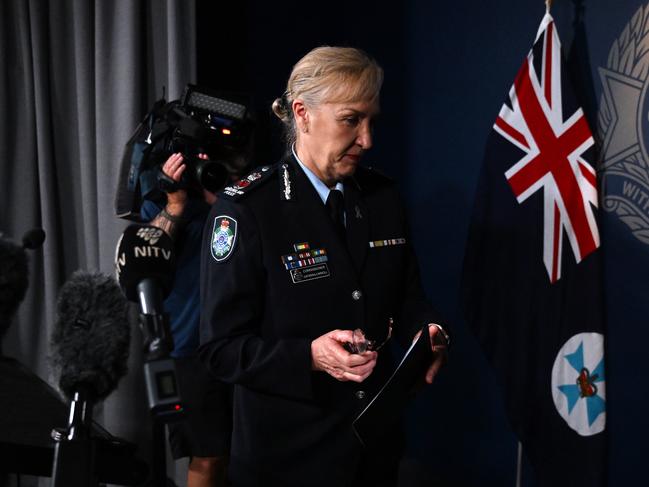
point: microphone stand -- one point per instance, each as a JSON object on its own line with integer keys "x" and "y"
{"x": 74, "y": 453}
{"x": 159, "y": 374}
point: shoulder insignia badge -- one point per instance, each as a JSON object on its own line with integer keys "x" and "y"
{"x": 248, "y": 183}
{"x": 224, "y": 236}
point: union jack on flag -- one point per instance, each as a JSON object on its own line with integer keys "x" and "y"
{"x": 553, "y": 141}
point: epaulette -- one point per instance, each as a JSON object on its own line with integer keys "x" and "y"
{"x": 248, "y": 183}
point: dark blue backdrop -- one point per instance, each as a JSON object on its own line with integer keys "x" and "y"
{"x": 448, "y": 67}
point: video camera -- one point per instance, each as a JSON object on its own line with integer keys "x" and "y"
{"x": 201, "y": 122}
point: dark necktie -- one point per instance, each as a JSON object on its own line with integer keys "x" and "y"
{"x": 336, "y": 207}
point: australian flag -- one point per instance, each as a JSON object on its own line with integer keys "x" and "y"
{"x": 532, "y": 283}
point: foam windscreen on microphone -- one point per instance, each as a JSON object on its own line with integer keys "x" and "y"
{"x": 90, "y": 339}
{"x": 144, "y": 252}
{"x": 13, "y": 280}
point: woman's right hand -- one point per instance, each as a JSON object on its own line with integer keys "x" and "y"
{"x": 329, "y": 355}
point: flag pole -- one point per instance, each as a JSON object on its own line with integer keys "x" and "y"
{"x": 519, "y": 466}
{"x": 548, "y": 6}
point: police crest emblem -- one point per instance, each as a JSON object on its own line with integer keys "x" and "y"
{"x": 224, "y": 235}
{"x": 623, "y": 126}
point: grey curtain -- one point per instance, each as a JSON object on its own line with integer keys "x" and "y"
{"x": 76, "y": 76}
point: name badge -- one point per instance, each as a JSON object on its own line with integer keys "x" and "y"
{"x": 309, "y": 273}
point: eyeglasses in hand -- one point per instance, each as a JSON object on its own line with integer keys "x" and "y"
{"x": 361, "y": 344}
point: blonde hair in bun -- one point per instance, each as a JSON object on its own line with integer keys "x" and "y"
{"x": 281, "y": 109}
{"x": 328, "y": 75}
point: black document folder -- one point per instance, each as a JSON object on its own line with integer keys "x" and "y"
{"x": 386, "y": 406}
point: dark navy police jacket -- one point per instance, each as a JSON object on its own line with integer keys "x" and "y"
{"x": 275, "y": 276}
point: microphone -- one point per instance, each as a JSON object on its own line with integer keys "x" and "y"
{"x": 13, "y": 280}
{"x": 91, "y": 336}
{"x": 144, "y": 265}
{"x": 89, "y": 344}
{"x": 14, "y": 272}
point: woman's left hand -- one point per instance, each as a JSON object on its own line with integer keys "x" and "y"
{"x": 440, "y": 351}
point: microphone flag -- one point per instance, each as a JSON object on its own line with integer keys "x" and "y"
{"x": 144, "y": 252}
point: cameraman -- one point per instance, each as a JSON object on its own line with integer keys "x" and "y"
{"x": 204, "y": 433}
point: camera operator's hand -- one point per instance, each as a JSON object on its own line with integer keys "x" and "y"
{"x": 173, "y": 168}
{"x": 170, "y": 219}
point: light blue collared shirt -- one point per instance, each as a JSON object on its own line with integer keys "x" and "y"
{"x": 320, "y": 187}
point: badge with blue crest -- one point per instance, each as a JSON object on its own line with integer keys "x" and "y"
{"x": 224, "y": 236}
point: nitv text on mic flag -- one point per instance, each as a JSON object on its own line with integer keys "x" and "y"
{"x": 532, "y": 282}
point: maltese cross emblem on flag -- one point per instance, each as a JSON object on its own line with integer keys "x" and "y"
{"x": 553, "y": 143}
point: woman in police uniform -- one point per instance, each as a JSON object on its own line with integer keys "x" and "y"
{"x": 295, "y": 257}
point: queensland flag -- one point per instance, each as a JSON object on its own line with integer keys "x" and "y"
{"x": 532, "y": 283}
